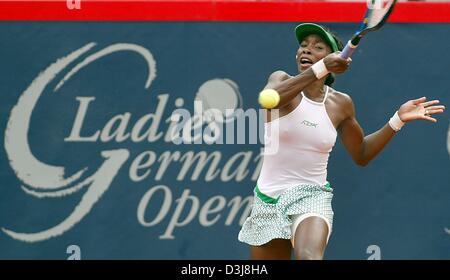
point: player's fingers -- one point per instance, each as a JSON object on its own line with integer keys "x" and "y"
{"x": 419, "y": 100}
{"x": 429, "y": 103}
{"x": 435, "y": 111}
{"x": 438, "y": 107}
{"x": 427, "y": 118}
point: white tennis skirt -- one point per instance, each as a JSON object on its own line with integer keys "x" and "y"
{"x": 272, "y": 218}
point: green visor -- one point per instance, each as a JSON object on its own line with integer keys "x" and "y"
{"x": 305, "y": 29}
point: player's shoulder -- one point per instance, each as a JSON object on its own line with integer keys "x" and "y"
{"x": 339, "y": 97}
{"x": 278, "y": 75}
{"x": 343, "y": 100}
{"x": 275, "y": 78}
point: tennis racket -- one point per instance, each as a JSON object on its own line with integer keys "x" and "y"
{"x": 375, "y": 17}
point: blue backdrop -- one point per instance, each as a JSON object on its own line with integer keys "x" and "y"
{"x": 68, "y": 104}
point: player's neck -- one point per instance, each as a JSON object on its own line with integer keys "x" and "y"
{"x": 315, "y": 91}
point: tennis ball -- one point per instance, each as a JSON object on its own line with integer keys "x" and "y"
{"x": 269, "y": 98}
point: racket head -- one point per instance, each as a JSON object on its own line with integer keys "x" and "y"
{"x": 378, "y": 11}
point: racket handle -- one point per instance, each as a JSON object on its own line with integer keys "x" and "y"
{"x": 348, "y": 50}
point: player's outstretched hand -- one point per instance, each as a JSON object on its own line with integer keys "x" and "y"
{"x": 420, "y": 109}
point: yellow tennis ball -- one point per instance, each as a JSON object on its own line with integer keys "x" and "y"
{"x": 269, "y": 98}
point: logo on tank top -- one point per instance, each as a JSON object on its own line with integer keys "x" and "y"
{"x": 307, "y": 123}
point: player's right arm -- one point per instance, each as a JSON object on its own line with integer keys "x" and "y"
{"x": 288, "y": 87}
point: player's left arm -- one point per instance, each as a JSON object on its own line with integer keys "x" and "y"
{"x": 365, "y": 148}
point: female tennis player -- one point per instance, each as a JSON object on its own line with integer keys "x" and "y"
{"x": 292, "y": 203}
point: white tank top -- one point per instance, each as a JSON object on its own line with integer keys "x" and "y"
{"x": 306, "y": 138}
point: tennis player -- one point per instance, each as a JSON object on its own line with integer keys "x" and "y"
{"x": 292, "y": 204}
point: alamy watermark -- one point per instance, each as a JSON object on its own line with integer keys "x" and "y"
{"x": 212, "y": 127}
